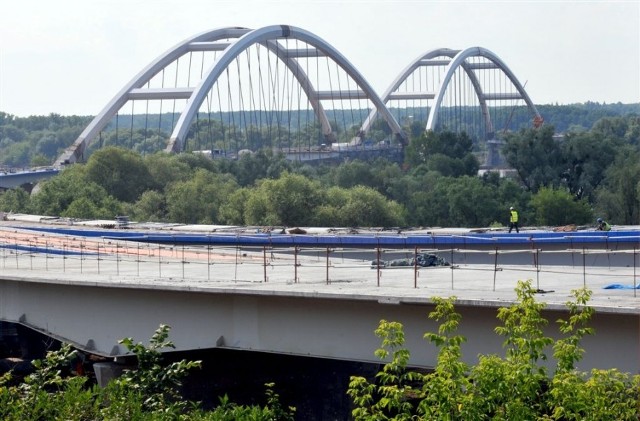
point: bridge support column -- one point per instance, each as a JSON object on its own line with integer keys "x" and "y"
{"x": 107, "y": 371}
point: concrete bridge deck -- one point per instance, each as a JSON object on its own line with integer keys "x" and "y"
{"x": 305, "y": 303}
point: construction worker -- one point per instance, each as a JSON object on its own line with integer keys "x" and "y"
{"x": 603, "y": 225}
{"x": 513, "y": 219}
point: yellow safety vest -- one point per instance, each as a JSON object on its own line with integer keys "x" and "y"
{"x": 514, "y": 216}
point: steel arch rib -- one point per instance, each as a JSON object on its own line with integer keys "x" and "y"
{"x": 305, "y": 83}
{"x": 417, "y": 63}
{"x": 291, "y": 63}
{"x": 263, "y": 36}
{"x": 403, "y": 76}
{"x": 459, "y": 60}
{"x": 76, "y": 151}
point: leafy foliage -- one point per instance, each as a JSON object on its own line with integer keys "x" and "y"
{"x": 149, "y": 392}
{"x": 513, "y": 387}
{"x": 536, "y": 156}
{"x": 558, "y": 207}
{"x": 447, "y": 153}
{"x": 121, "y": 172}
{"x": 71, "y": 195}
{"x": 561, "y": 179}
{"x": 158, "y": 383}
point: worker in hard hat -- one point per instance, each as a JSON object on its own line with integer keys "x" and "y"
{"x": 513, "y": 219}
{"x": 603, "y": 225}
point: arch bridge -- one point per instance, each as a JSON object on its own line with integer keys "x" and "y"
{"x": 230, "y": 90}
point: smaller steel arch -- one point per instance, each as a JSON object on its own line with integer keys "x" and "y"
{"x": 459, "y": 60}
{"x": 262, "y": 36}
{"x": 406, "y": 72}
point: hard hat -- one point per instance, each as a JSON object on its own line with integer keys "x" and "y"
{"x": 599, "y": 220}
{"x": 511, "y": 208}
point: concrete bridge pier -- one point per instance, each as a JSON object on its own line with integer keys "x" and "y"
{"x": 107, "y": 371}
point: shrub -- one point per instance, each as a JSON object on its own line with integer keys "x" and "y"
{"x": 512, "y": 387}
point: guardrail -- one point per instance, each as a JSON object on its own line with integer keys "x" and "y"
{"x": 293, "y": 263}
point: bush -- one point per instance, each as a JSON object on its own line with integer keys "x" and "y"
{"x": 512, "y": 387}
{"x": 149, "y": 392}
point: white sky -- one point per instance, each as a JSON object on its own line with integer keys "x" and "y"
{"x": 72, "y": 56}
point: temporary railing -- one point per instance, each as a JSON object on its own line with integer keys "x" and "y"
{"x": 293, "y": 259}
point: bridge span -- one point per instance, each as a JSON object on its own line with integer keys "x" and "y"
{"x": 238, "y": 89}
{"x": 318, "y": 301}
{"x": 15, "y": 178}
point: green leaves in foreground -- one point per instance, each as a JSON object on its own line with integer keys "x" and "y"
{"x": 513, "y": 387}
{"x": 148, "y": 392}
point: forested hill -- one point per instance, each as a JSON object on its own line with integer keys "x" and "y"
{"x": 558, "y": 181}
{"x": 38, "y": 140}
{"x": 565, "y": 118}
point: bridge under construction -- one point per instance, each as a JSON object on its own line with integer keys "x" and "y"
{"x": 239, "y": 89}
{"x": 314, "y": 294}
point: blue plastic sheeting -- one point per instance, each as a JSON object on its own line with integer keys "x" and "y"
{"x": 45, "y": 250}
{"x": 383, "y": 240}
{"x": 620, "y": 286}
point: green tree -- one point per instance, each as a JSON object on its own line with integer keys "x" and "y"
{"x": 257, "y": 210}
{"x": 587, "y": 155}
{"x": 49, "y": 145}
{"x": 121, "y": 172}
{"x": 197, "y": 200}
{"x": 448, "y": 153}
{"x": 152, "y": 206}
{"x": 330, "y": 212}
{"x": 559, "y": 207}
{"x": 290, "y": 200}
{"x": 366, "y": 207}
{"x": 262, "y": 164}
{"x": 39, "y": 161}
{"x": 14, "y": 200}
{"x": 536, "y": 156}
{"x": 16, "y": 155}
{"x": 445, "y": 390}
{"x": 618, "y": 199}
{"x": 165, "y": 169}
{"x": 514, "y": 387}
{"x": 387, "y": 399}
{"x": 232, "y": 211}
{"x": 354, "y": 173}
{"x": 85, "y": 207}
{"x": 57, "y": 194}
{"x": 158, "y": 382}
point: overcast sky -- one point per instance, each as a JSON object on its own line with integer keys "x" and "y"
{"x": 72, "y": 56}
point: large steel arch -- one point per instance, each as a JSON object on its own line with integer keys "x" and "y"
{"x": 460, "y": 60}
{"x": 268, "y": 36}
{"x": 200, "y": 42}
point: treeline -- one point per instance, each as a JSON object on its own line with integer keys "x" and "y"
{"x": 559, "y": 181}
{"x": 39, "y": 140}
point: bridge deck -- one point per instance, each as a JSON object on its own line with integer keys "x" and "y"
{"x": 95, "y": 291}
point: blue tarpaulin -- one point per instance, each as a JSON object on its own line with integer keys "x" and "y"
{"x": 620, "y": 286}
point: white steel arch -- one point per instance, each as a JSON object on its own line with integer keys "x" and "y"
{"x": 421, "y": 60}
{"x": 267, "y": 36}
{"x": 210, "y": 41}
{"x": 132, "y": 90}
{"x": 232, "y": 41}
{"x": 457, "y": 59}
{"x": 460, "y": 60}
